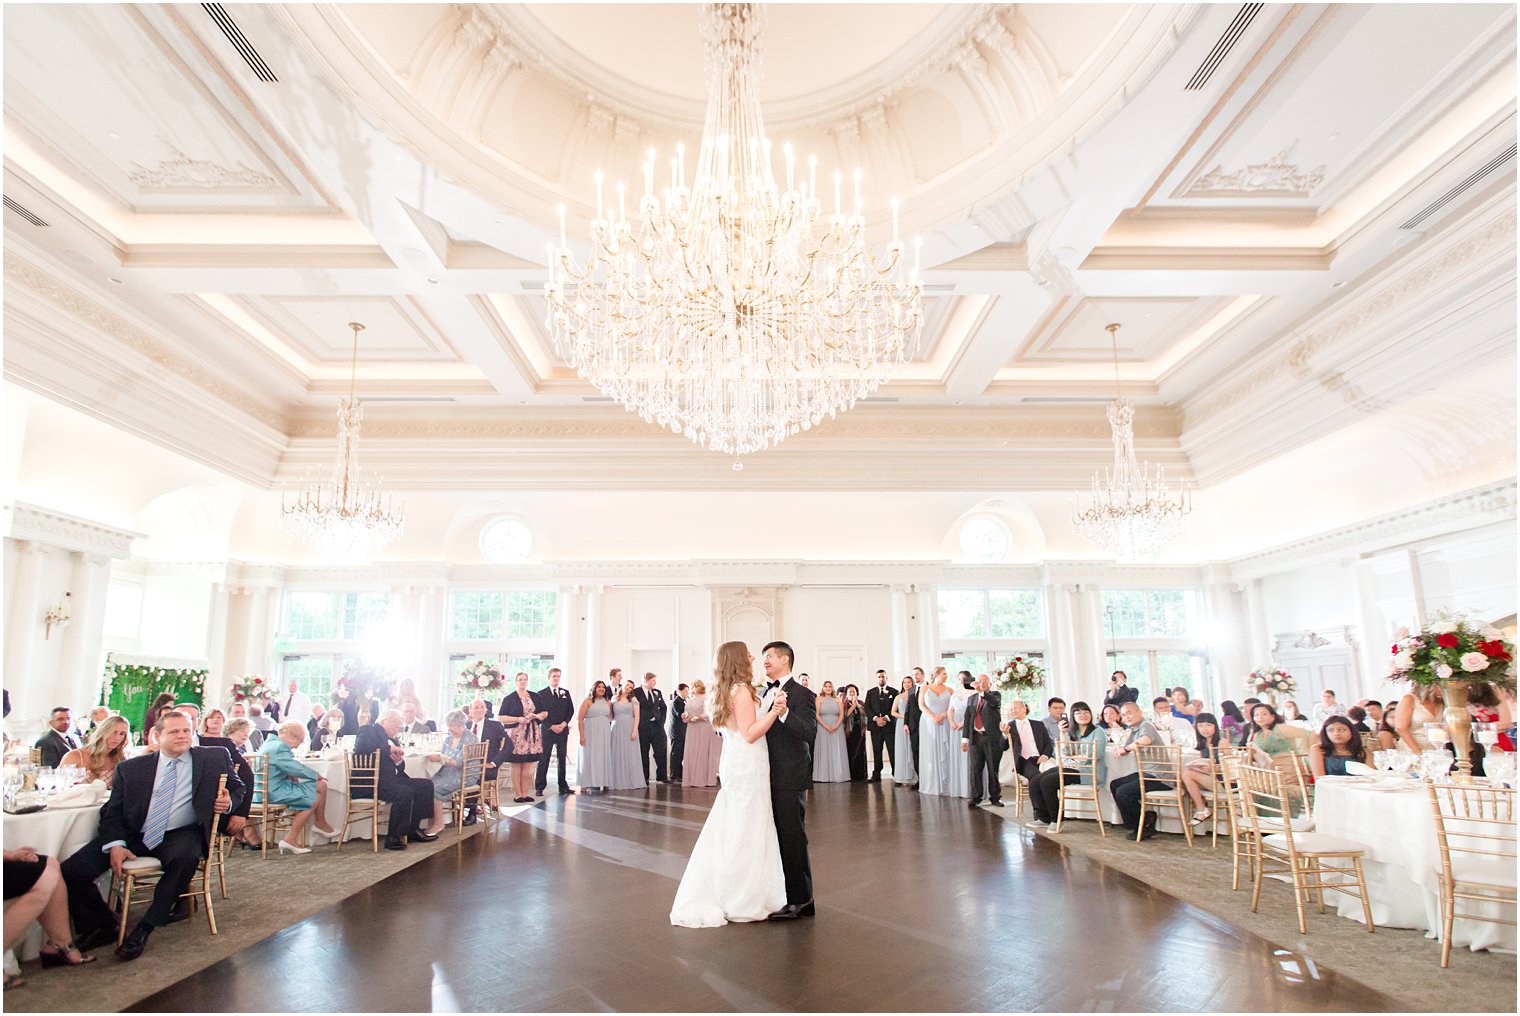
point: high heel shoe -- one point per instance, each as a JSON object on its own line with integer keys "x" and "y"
{"x": 291, "y": 848}
{"x": 55, "y": 955}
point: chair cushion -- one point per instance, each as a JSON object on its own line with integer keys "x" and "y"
{"x": 1483, "y": 870}
{"x": 1315, "y": 843}
{"x": 1303, "y": 824}
{"x": 138, "y": 865}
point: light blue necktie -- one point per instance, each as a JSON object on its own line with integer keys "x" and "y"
{"x": 163, "y": 803}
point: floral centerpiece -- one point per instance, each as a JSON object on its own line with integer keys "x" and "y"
{"x": 1452, "y": 651}
{"x": 481, "y": 676}
{"x": 1019, "y": 674}
{"x": 1271, "y": 681}
{"x": 249, "y": 688}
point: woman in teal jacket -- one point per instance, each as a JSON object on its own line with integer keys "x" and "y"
{"x": 296, "y": 786}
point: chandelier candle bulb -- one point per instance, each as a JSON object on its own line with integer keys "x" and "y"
{"x": 563, "y": 240}
{"x": 622, "y": 211}
{"x": 894, "y": 221}
{"x": 813, "y": 176}
{"x": 788, "y": 150}
{"x": 598, "y": 179}
{"x": 838, "y": 192}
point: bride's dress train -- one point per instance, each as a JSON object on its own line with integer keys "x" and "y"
{"x": 734, "y": 873}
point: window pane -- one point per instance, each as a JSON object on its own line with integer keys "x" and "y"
{"x": 962, "y": 613}
{"x": 478, "y": 615}
{"x": 364, "y": 614}
{"x": 977, "y": 663}
{"x": 1124, "y": 613}
{"x": 531, "y": 614}
{"x": 1172, "y": 612}
{"x": 1179, "y": 670}
{"x": 311, "y": 616}
{"x": 313, "y": 675}
{"x": 1015, "y": 613}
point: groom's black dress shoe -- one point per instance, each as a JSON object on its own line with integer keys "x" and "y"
{"x": 792, "y": 911}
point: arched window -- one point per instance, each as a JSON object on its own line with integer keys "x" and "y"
{"x": 506, "y": 541}
{"x": 985, "y": 540}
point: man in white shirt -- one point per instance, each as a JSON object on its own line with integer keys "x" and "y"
{"x": 1174, "y": 729}
{"x": 294, "y": 705}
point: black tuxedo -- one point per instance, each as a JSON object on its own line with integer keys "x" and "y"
{"x": 677, "y": 737}
{"x": 411, "y": 798}
{"x": 122, "y": 819}
{"x": 789, "y": 743}
{"x": 911, "y": 714}
{"x": 884, "y": 737}
{"x": 1029, "y": 768}
{"x": 985, "y": 749}
{"x": 652, "y": 711}
{"x": 561, "y": 709}
{"x": 52, "y": 746}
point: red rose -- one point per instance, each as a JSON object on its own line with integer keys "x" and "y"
{"x": 1447, "y": 641}
{"x": 1394, "y": 650}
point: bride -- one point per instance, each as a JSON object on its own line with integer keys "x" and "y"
{"x": 734, "y": 873}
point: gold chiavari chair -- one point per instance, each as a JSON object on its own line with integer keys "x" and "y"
{"x": 1244, "y": 846}
{"x": 1298, "y": 781}
{"x": 491, "y": 789}
{"x": 1309, "y": 858}
{"x": 36, "y": 756}
{"x": 1020, "y": 792}
{"x": 472, "y": 771}
{"x": 1475, "y": 831}
{"x": 139, "y": 878}
{"x": 1160, "y": 768}
{"x": 218, "y": 860}
{"x": 1079, "y": 758}
{"x": 1371, "y": 743}
{"x": 361, "y": 775}
{"x": 1218, "y": 794}
{"x": 269, "y": 817}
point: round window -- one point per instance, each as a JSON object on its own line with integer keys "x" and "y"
{"x": 985, "y": 540}
{"x": 506, "y": 541}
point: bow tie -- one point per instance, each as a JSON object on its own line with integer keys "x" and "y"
{"x": 772, "y": 684}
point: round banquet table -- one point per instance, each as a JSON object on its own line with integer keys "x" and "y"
{"x": 337, "y": 789}
{"x": 1402, "y": 862}
{"x": 56, "y": 832}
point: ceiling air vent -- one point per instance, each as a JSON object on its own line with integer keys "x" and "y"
{"x": 409, "y": 398}
{"x": 240, "y": 42}
{"x": 1461, "y": 187}
{"x": 595, "y": 398}
{"x": 23, "y": 211}
{"x": 1222, "y": 48}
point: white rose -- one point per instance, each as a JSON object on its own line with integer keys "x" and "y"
{"x": 1403, "y": 660}
{"x": 1445, "y": 626}
{"x": 1443, "y": 671}
{"x": 1490, "y": 633}
{"x": 1474, "y": 662}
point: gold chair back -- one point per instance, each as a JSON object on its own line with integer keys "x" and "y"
{"x": 1079, "y": 758}
{"x": 1160, "y": 769}
{"x": 1475, "y": 831}
{"x": 361, "y": 775}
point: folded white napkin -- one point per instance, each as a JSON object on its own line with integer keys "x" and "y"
{"x": 82, "y": 794}
{"x": 1360, "y": 769}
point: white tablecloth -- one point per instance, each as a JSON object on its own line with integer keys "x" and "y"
{"x": 337, "y": 789}
{"x": 1402, "y": 863}
{"x": 56, "y": 832}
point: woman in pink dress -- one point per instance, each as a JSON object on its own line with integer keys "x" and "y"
{"x": 703, "y": 745}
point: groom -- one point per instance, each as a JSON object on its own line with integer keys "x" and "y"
{"x": 789, "y": 743}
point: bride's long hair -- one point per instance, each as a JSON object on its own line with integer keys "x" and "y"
{"x": 734, "y": 669}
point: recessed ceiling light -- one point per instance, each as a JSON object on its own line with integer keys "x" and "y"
{"x": 957, "y": 402}
{"x": 432, "y": 281}
{"x": 738, "y": 467}
{"x": 1337, "y": 284}
{"x": 113, "y": 280}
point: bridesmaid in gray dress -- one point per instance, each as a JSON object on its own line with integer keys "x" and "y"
{"x": 831, "y": 763}
{"x": 627, "y": 772}
{"x": 595, "y": 725}
{"x": 704, "y": 746}
{"x": 960, "y": 767}
{"x": 935, "y": 739}
{"x": 903, "y": 773}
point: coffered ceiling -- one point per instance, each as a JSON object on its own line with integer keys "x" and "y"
{"x": 1302, "y": 215}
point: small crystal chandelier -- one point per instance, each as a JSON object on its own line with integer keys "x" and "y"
{"x": 718, "y": 313}
{"x": 1131, "y": 513}
{"x": 344, "y": 520}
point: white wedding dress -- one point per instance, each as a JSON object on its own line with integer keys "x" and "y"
{"x": 734, "y": 873}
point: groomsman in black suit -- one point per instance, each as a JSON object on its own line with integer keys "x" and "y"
{"x": 789, "y": 744}
{"x": 677, "y": 732}
{"x": 162, "y": 805}
{"x": 882, "y": 724}
{"x": 555, "y": 701}
{"x": 982, "y": 741}
{"x": 912, "y": 712}
{"x": 652, "y": 711}
{"x": 59, "y": 741}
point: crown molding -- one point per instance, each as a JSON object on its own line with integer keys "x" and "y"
{"x": 40, "y": 525}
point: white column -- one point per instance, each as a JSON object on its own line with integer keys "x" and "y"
{"x": 900, "y": 655}
{"x": 594, "y": 633}
{"x": 434, "y": 682}
{"x": 567, "y": 637}
{"x": 22, "y": 622}
{"x": 79, "y": 655}
{"x": 216, "y": 641}
{"x": 1259, "y": 639}
{"x": 262, "y": 622}
{"x": 928, "y": 628}
{"x": 1091, "y": 640}
{"x": 1376, "y": 633}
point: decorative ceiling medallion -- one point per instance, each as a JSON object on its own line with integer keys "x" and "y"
{"x": 180, "y": 172}
{"x": 1278, "y": 176}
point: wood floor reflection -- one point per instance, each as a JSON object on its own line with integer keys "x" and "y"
{"x": 923, "y": 905}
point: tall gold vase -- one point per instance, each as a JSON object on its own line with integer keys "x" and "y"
{"x": 1459, "y": 726}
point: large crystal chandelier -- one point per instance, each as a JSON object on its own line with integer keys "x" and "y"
{"x": 717, "y": 311}
{"x": 1131, "y": 512}
{"x": 344, "y": 520}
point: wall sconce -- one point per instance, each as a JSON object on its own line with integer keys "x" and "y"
{"x": 56, "y": 617}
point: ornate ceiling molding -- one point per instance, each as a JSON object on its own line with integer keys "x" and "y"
{"x": 29, "y": 522}
{"x": 180, "y": 172}
{"x": 1278, "y": 176}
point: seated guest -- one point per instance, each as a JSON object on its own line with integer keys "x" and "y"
{"x": 1055, "y": 718}
{"x": 1031, "y": 748}
{"x": 1232, "y": 725}
{"x": 239, "y": 711}
{"x": 331, "y": 730}
{"x": 193, "y": 713}
{"x": 162, "y": 805}
{"x": 314, "y": 720}
{"x": 1171, "y": 729}
{"x": 410, "y": 724}
{"x": 1080, "y": 728}
{"x": 1388, "y": 737}
{"x": 296, "y": 786}
{"x": 34, "y": 891}
{"x": 263, "y": 724}
{"x": 1339, "y": 743}
{"x": 448, "y": 779}
{"x": 240, "y": 732}
{"x": 1182, "y": 706}
{"x": 98, "y": 715}
{"x": 1111, "y": 723}
{"x": 1273, "y": 735}
{"x": 1358, "y": 717}
{"x": 1201, "y": 775}
{"x": 164, "y": 702}
{"x": 105, "y": 749}
{"x": 59, "y": 740}
{"x": 411, "y": 798}
{"x": 1290, "y": 713}
{"x": 1138, "y": 733}
{"x": 1247, "y": 706}
{"x": 1324, "y": 709}
{"x": 489, "y": 732}
{"x": 235, "y": 823}
{"x": 348, "y": 705}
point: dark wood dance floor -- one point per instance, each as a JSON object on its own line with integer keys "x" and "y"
{"x": 923, "y": 904}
